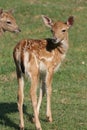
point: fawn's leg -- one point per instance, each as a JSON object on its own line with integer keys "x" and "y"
{"x": 49, "y": 91}
{"x": 41, "y": 94}
{"x": 33, "y": 91}
{"x": 20, "y": 98}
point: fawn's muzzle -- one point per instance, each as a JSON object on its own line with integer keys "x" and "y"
{"x": 17, "y": 30}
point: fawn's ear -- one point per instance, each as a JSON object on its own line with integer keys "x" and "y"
{"x": 11, "y": 11}
{"x": 70, "y": 21}
{"x": 48, "y": 22}
{"x": 1, "y": 11}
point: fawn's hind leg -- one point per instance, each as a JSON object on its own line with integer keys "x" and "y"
{"x": 20, "y": 98}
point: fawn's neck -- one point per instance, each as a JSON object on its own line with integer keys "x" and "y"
{"x": 1, "y": 29}
{"x": 63, "y": 46}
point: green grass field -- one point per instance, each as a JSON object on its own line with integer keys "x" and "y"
{"x": 69, "y": 97}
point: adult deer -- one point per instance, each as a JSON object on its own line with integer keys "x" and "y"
{"x": 39, "y": 59}
{"x": 8, "y": 22}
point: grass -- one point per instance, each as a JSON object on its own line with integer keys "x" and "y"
{"x": 69, "y": 98}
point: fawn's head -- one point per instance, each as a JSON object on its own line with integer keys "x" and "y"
{"x": 59, "y": 29}
{"x": 8, "y": 22}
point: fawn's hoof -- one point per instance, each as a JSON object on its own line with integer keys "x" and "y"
{"x": 49, "y": 119}
{"x": 22, "y": 128}
{"x": 33, "y": 120}
{"x": 39, "y": 128}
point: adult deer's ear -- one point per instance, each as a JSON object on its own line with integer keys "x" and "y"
{"x": 1, "y": 11}
{"x": 70, "y": 21}
{"x": 48, "y": 22}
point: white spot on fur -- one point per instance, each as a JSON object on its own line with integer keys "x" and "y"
{"x": 42, "y": 66}
{"x": 18, "y": 58}
{"x": 57, "y": 67}
{"x": 18, "y": 55}
{"x": 35, "y": 60}
{"x": 63, "y": 56}
{"x": 26, "y": 63}
{"x": 47, "y": 59}
{"x": 64, "y": 44}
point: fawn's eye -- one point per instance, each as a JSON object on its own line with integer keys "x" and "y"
{"x": 8, "y": 22}
{"x": 63, "y": 30}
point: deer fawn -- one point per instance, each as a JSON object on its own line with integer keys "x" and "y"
{"x": 8, "y": 22}
{"x": 39, "y": 59}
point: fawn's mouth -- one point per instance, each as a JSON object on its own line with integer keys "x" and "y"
{"x": 17, "y": 30}
{"x": 56, "y": 41}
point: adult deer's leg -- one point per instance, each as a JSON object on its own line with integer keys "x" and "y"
{"x": 49, "y": 92}
{"x": 33, "y": 91}
{"x": 20, "y": 98}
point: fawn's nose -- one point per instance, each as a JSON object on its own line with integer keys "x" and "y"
{"x": 17, "y": 30}
{"x": 55, "y": 40}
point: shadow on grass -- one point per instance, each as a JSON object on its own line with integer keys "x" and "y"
{"x": 8, "y": 108}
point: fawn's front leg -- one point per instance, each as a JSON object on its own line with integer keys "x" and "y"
{"x": 20, "y": 100}
{"x": 41, "y": 94}
{"x": 49, "y": 92}
{"x": 33, "y": 91}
